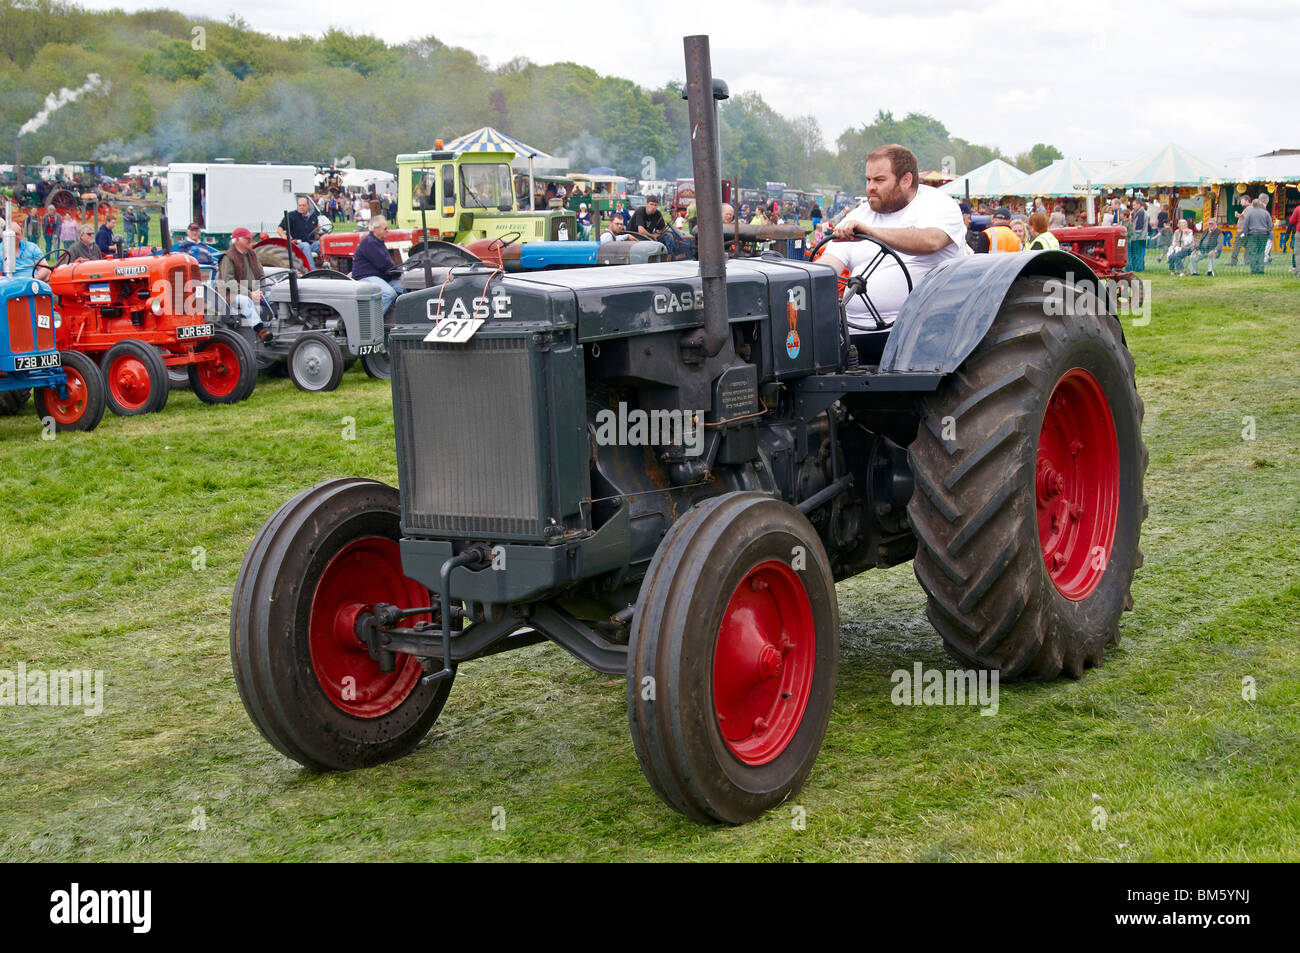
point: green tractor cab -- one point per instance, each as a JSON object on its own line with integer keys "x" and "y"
{"x": 470, "y": 195}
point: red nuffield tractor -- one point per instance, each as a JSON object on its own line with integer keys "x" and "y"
{"x": 139, "y": 316}
{"x": 666, "y": 468}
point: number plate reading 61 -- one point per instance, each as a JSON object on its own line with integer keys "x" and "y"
{"x": 36, "y": 361}
{"x": 454, "y": 330}
{"x": 193, "y": 331}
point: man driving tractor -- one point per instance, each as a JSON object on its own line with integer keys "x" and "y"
{"x": 241, "y": 275}
{"x": 920, "y": 223}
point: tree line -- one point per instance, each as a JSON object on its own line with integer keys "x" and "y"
{"x": 181, "y": 88}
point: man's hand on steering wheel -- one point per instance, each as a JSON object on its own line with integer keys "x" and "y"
{"x": 845, "y": 231}
{"x": 855, "y": 284}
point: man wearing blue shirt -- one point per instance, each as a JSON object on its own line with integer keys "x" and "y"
{"x": 26, "y": 255}
{"x": 372, "y": 266}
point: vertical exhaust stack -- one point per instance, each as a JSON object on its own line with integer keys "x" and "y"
{"x": 701, "y": 95}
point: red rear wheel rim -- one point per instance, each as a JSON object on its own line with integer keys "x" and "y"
{"x": 763, "y": 663}
{"x": 1076, "y": 485}
{"x": 128, "y": 381}
{"x": 68, "y": 411}
{"x": 365, "y": 572}
{"x": 220, "y": 377}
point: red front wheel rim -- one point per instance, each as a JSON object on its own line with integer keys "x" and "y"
{"x": 763, "y": 663}
{"x": 68, "y": 411}
{"x": 365, "y": 572}
{"x": 1076, "y": 485}
{"x": 128, "y": 379}
{"x": 220, "y": 377}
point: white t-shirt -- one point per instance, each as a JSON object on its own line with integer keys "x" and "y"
{"x": 930, "y": 208}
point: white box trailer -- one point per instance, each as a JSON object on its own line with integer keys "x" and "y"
{"x": 222, "y": 196}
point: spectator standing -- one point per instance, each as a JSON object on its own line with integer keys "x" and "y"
{"x": 1294, "y": 222}
{"x": 1137, "y": 248}
{"x": 128, "y": 225}
{"x": 69, "y": 231}
{"x": 1256, "y": 228}
{"x": 50, "y": 223}
{"x": 142, "y": 227}
{"x": 104, "y": 237}
{"x": 32, "y": 230}
{"x": 1040, "y": 236}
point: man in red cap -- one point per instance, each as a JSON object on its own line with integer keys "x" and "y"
{"x": 241, "y": 277}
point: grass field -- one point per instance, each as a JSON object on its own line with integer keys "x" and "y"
{"x": 102, "y": 569}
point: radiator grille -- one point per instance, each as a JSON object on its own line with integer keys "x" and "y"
{"x": 367, "y": 312}
{"x": 466, "y": 440}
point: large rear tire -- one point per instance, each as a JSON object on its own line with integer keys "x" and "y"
{"x": 229, "y": 379}
{"x": 732, "y": 658}
{"x": 1028, "y": 503}
{"x": 306, "y": 680}
{"x": 87, "y": 395}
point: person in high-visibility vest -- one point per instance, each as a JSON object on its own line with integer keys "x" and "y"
{"x": 1000, "y": 236}
{"x": 1041, "y": 237}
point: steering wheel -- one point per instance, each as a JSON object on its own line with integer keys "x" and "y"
{"x": 509, "y": 238}
{"x": 856, "y": 284}
{"x": 61, "y": 257}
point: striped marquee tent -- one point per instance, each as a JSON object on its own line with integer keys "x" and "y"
{"x": 992, "y": 180}
{"x": 488, "y": 139}
{"x": 1064, "y": 178}
{"x": 1170, "y": 167}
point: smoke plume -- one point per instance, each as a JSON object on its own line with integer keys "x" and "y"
{"x": 56, "y": 101}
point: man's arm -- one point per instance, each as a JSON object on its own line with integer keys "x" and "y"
{"x": 911, "y": 241}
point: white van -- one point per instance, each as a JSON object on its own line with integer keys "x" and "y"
{"x": 221, "y": 196}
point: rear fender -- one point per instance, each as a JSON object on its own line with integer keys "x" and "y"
{"x": 952, "y": 309}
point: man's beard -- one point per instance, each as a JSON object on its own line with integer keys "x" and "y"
{"x": 886, "y": 204}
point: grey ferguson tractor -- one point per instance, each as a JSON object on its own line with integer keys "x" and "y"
{"x": 666, "y": 468}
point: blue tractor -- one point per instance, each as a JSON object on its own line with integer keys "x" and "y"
{"x": 70, "y": 390}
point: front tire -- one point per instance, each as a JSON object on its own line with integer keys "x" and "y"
{"x": 87, "y": 395}
{"x": 315, "y": 362}
{"x": 306, "y": 680}
{"x": 378, "y": 366}
{"x": 136, "y": 377}
{"x": 1028, "y": 503}
{"x": 732, "y": 658}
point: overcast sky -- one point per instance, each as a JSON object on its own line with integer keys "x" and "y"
{"x": 1099, "y": 79}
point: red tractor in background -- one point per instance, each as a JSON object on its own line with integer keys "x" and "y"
{"x": 139, "y": 316}
{"x": 1105, "y": 249}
